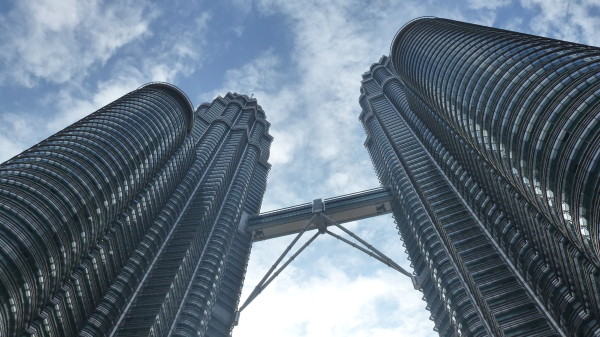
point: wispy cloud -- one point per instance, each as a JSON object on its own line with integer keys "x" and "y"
{"x": 15, "y": 132}
{"x": 340, "y": 293}
{"x": 76, "y": 56}
{"x": 311, "y": 102}
{"x": 178, "y": 53}
{"x": 487, "y": 4}
{"x": 73, "y": 104}
{"x": 56, "y": 41}
{"x": 565, "y": 20}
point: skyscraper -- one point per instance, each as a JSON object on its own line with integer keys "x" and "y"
{"x": 135, "y": 221}
{"x": 490, "y": 143}
{"x": 127, "y": 223}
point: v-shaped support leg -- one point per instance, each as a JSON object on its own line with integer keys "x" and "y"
{"x": 320, "y": 221}
{"x": 369, "y": 250}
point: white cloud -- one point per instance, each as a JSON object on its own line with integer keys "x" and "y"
{"x": 73, "y": 105}
{"x": 282, "y": 151}
{"x": 571, "y": 21}
{"x": 488, "y": 4}
{"x": 318, "y": 152}
{"x": 57, "y": 41}
{"x": 257, "y": 75}
{"x": 15, "y": 130}
{"x": 341, "y": 293}
{"x": 178, "y": 53}
{"x": 310, "y": 97}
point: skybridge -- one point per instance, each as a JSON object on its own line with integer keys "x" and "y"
{"x": 341, "y": 209}
{"x": 319, "y": 215}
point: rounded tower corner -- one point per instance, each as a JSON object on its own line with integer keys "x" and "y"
{"x": 190, "y": 107}
{"x": 404, "y": 29}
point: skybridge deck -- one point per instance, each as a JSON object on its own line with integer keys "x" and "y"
{"x": 341, "y": 209}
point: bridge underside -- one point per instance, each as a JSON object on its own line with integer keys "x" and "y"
{"x": 346, "y": 208}
{"x": 319, "y": 215}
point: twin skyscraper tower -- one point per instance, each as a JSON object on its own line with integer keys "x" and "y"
{"x": 136, "y": 220}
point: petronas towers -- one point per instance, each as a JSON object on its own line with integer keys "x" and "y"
{"x": 133, "y": 221}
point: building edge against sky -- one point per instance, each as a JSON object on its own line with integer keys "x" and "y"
{"x": 126, "y": 223}
{"x": 525, "y": 104}
{"x": 130, "y": 222}
{"x": 456, "y": 264}
{"x": 506, "y": 127}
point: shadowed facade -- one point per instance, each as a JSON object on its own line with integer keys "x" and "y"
{"x": 138, "y": 219}
{"x": 489, "y": 140}
{"x": 127, "y": 223}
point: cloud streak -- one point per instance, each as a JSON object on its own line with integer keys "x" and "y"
{"x": 340, "y": 293}
{"x": 68, "y": 58}
{"x": 311, "y": 102}
{"x": 57, "y": 41}
{"x": 570, "y": 21}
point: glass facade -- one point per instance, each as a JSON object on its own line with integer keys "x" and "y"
{"x": 490, "y": 140}
{"x": 131, "y": 222}
{"x": 528, "y": 106}
{"x": 127, "y": 223}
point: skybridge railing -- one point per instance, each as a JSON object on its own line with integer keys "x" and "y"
{"x": 320, "y": 215}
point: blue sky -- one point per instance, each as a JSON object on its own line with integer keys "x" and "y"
{"x": 62, "y": 59}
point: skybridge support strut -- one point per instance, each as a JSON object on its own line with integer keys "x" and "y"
{"x": 320, "y": 221}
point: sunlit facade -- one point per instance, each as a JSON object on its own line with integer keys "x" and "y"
{"x": 138, "y": 219}
{"x": 130, "y": 221}
{"x": 490, "y": 142}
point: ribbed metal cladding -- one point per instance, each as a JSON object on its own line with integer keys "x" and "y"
{"x": 559, "y": 274}
{"x": 130, "y": 221}
{"x": 58, "y": 198}
{"x": 528, "y": 106}
{"x": 190, "y": 273}
{"x": 508, "y": 123}
{"x": 471, "y": 287}
{"x": 212, "y": 297}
